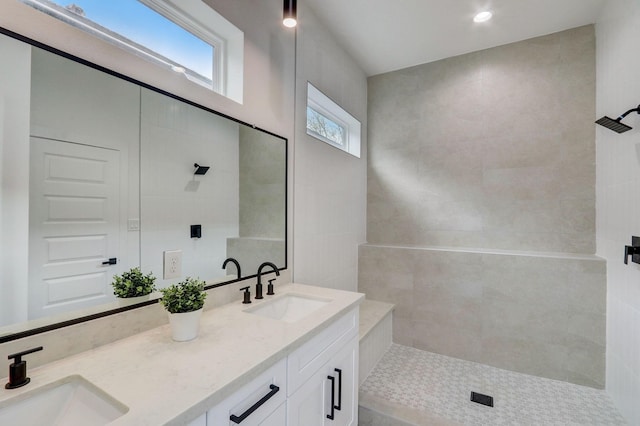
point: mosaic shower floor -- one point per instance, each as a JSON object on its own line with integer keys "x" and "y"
{"x": 423, "y": 388}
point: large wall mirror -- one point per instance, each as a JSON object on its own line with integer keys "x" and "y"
{"x": 96, "y": 166}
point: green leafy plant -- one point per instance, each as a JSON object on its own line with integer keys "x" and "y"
{"x": 133, "y": 283}
{"x": 186, "y": 296}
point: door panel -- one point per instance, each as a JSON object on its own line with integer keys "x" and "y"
{"x": 74, "y": 225}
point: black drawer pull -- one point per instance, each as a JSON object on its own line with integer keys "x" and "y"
{"x": 238, "y": 419}
{"x": 333, "y": 397}
{"x": 339, "y": 406}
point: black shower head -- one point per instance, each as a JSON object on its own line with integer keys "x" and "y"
{"x": 616, "y": 125}
{"x": 200, "y": 170}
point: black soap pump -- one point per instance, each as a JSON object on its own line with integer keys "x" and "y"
{"x": 18, "y": 369}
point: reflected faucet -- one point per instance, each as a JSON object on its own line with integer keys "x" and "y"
{"x": 259, "y": 285}
{"x": 231, "y": 259}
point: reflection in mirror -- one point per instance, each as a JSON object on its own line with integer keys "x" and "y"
{"x": 239, "y": 203}
{"x": 111, "y": 176}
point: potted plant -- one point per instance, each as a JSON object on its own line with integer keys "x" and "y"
{"x": 133, "y": 284}
{"x": 184, "y": 302}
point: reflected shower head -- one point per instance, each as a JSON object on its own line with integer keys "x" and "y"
{"x": 200, "y": 170}
{"x": 617, "y": 125}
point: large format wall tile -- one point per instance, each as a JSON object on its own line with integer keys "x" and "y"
{"x": 493, "y": 149}
{"x": 541, "y": 314}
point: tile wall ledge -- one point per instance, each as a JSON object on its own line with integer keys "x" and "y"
{"x": 542, "y": 254}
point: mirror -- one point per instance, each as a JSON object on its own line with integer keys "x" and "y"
{"x": 118, "y": 170}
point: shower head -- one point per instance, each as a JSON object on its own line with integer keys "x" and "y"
{"x": 614, "y": 125}
{"x": 617, "y": 125}
{"x": 200, "y": 170}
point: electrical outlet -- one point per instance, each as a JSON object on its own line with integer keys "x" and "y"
{"x": 172, "y": 264}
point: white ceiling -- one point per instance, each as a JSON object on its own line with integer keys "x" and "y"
{"x": 386, "y": 35}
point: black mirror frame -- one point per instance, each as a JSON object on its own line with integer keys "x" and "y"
{"x": 54, "y": 326}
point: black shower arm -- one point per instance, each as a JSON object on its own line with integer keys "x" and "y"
{"x": 636, "y": 109}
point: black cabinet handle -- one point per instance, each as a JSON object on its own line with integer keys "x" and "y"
{"x": 238, "y": 419}
{"x": 111, "y": 261}
{"x": 339, "y": 406}
{"x": 333, "y": 397}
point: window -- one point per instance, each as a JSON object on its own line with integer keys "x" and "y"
{"x": 164, "y": 32}
{"x": 328, "y": 122}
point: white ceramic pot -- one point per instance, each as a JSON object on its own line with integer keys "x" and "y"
{"x": 185, "y": 325}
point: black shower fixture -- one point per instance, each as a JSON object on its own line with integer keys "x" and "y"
{"x": 616, "y": 125}
{"x": 200, "y": 170}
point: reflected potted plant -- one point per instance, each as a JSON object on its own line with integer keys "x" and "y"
{"x": 184, "y": 302}
{"x": 133, "y": 285}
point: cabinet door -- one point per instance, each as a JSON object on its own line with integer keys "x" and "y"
{"x": 311, "y": 404}
{"x": 344, "y": 369}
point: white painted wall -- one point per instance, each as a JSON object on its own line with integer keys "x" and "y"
{"x": 15, "y": 85}
{"x": 618, "y": 197}
{"x": 330, "y": 184}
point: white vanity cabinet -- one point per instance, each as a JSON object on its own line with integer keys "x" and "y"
{"x": 315, "y": 385}
{"x": 322, "y": 377}
{"x": 329, "y": 397}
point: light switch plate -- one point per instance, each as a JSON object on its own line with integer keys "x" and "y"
{"x": 133, "y": 225}
{"x": 172, "y": 264}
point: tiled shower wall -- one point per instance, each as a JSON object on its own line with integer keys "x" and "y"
{"x": 618, "y": 171}
{"x": 540, "y": 315}
{"x": 489, "y": 157}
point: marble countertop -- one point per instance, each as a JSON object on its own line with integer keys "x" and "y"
{"x": 167, "y": 382}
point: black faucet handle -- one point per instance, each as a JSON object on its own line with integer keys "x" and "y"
{"x": 18, "y": 356}
{"x": 18, "y": 369}
{"x": 270, "y": 288}
{"x": 247, "y": 295}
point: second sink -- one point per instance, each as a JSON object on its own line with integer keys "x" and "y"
{"x": 289, "y": 307}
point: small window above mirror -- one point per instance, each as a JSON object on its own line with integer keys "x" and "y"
{"x": 165, "y": 33}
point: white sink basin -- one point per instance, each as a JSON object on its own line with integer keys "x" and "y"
{"x": 289, "y": 307}
{"x": 69, "y": 401}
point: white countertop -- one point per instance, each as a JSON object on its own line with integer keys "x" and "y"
{"x": 167, "y": 382}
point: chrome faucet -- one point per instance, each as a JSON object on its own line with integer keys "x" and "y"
{"x": 259, "y": 285}
{"x": 231, "y": 259}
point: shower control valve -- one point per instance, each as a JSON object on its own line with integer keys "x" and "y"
{"x": 633, "y": 250}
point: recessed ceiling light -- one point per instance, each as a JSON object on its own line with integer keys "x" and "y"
{"x": 179, "y": 69}
{"x": 482, "y": 16}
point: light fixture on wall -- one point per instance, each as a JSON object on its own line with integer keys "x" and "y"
{"x": 616, "y": 125}
{"x": 289, "y": 14}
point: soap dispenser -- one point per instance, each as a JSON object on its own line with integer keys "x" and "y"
{"x": 18, "y": 369}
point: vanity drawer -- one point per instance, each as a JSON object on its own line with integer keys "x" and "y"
{"x": 308, "y": 358}
{"x": 259, "y": 397}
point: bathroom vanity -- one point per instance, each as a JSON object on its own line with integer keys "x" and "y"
{"x": 290, "y": 359}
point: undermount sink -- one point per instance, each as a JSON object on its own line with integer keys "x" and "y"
{"x": 289, "y": 307}
{"x": 69, "y": 401}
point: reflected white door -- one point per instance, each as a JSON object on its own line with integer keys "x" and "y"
{"x": 73, "y": 225}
